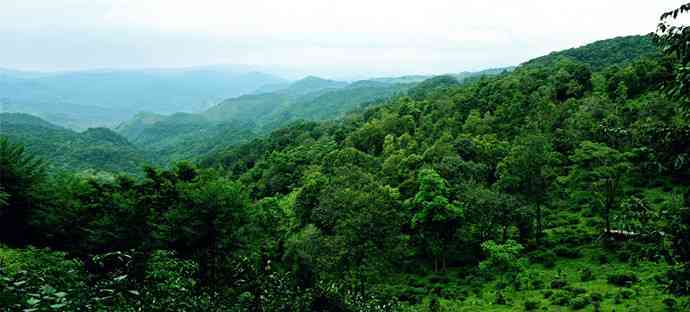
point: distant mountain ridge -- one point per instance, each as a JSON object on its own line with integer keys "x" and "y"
{"x": 84, "y": 99}
{"x": 239, "y": 119}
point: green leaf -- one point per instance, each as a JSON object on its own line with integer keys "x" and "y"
{"x": 57, "y": 306}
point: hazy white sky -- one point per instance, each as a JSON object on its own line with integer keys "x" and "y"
{"x": 330, "y": 38}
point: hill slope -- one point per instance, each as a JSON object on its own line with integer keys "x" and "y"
{"x": 505, "y": 171}
{"x": 95, "y": 148}
{"x": 599, "y": 54}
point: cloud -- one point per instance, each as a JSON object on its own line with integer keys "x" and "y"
{"x": 328, "y": 37}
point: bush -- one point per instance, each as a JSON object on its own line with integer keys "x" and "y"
{"x": 558, "y": 283}
{"x": 622, "y": 279}
{"x": 434, "y": 305}
{"x": 531, "y": 305}
{"x": 547, "y": 258}
{"x": 39, "y": 279}
{"x": 412, "y": 295}
{"x": 596, "y": 306}
{"x": 566, "y": 252}
{"x": 560, "y": 298}
{"x": 670, "y": 303}
{"x": 597, "y": 297}
{"x": 537, "y": 284}
{"x": 548, "y": 294}
{"x": 502, "y": 258}
{"x": 579, "y": 302}
{"x": 578, "y": 290}
{"x": 624, "y": 294}
{"x": 436, "y": 279}
{"x": 602, "y": 258}
{"x": 500, "y": 298}
{"x": 624, "y": 256}
{"x": 586, "y": 275}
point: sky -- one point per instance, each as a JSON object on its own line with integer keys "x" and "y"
{"x": 334, "y": 39}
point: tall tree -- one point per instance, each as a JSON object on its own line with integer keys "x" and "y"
{"x": 20, "y": 175}
{"x": 529, "y": 171}
{"x": 434, "y": 218}
{"x": 599, "y": 171}
{"x": 674, "y": 39}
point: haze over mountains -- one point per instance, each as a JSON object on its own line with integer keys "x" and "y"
{"x": 163, "y": 115}
{"x": 105, "y": 98}
{"x": 162, "y": 128}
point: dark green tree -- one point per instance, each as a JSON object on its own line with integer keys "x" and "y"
{"x": 434, "y": 217}
{"x": 599, "y": 173}
{"x": 674, "y": 40}
{"x": 529, "y": 171}
{"x": 20, "y": 176}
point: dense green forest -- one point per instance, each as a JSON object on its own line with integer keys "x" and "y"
{"x": 184, "y": 136}
{"x": 157, "y": 139}
{"x": 95, "y": 149}
{"x": 561, "y": 184}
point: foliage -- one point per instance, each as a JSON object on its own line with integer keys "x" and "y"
{"x": 20, "y": 176}
{"x": 502, "y": 258}
{"x": 673, "y": 39}
{"x": 361, "y": 213}
{"x": 95, "y": 148}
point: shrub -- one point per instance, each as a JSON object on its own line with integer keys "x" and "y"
{"x": 558, "y": 283}
{"x": 578, "y": 290}
{"x": 602, "y": 258}
{"x": 451, "y": 292}
{"x": 501, "y": 285}
{"x": 531, "y": 305}
{"x": 434, "y": 305}
{"x": 623, "y": 256}
{"x": 500, "y": 298}
{"x": 537, "y": 284}
{"x": 502, "y": 258}
{"x": 625, "y": 293}
{"x": 547, "y": 258}
{"x": 596, "y": 306}
{"x": 548, "y": 294}
{"x": 39, "y": 279}
{"x": 670, "y": 303}
{"x": 586, "y": 275}
{"x": 622, "y": 279}
{"x": 412, "y": 295}
{"x": 435, "y": 279}
{"x": 560, "y": 298}
{"x": 566, "y": 252}
{"x": 579, "y": 302}
{"x": 517, "y": 284}
{"x": 596, "y": 297}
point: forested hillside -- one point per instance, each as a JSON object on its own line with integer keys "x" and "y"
{"x": 237, "y": 120}
{"x": 563, "y": 184}
{"x": 100, "y": 149}
{"x": 605, "y": 53}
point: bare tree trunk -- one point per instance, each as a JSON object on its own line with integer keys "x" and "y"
{"x": 504, "y": 236}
